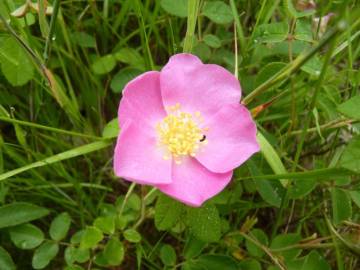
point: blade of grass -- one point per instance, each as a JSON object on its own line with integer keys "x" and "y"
{"x": 193, "y": 6}
{"x": 52, "y": 129}
{"x": 81, "y": 150}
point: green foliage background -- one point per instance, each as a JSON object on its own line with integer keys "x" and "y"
{"x": 63, "y": 65}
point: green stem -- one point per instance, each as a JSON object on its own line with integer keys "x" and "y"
{"x": 191, "y": 23}
{"x": 239, "y": 29}
{"x": 126, "y": 198}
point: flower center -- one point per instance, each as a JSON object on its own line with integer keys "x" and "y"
{"x": 180, "y": 133}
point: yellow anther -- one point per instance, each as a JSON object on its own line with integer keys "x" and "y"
{"x": 180, "y": 133}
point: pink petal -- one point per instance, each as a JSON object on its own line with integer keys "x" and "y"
{"x": 141, "y": 102}
{"x": 231, "y": 139}
{"x": 196, "y": 86}
{"x": 193, "y": 184}
{"x": 138, "y": 159}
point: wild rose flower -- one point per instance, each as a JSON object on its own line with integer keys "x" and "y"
{"x": 183, "y": 130}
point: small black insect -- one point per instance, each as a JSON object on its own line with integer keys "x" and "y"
{"x": 203, "y": 138}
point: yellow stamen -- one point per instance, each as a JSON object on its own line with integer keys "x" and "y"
{"x": 180, "y": 134}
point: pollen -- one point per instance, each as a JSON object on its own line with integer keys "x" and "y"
{"x": 180, "y": 133}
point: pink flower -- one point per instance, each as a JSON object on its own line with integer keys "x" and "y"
{"x": 183, "y": 130}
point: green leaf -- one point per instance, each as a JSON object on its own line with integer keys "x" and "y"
{"x": 44, "y": 254}
{"x": 314, "y": 261}
{"x": 73, "y": 254}
{"x": 114, "y": 251}
{"x": 167, "y": 212}
{"x": 204, "y": 223}
{"x": 178, "y": 8}
{"x": 268, "y": 190}
{"x": 105, "y": 224}
{"x": 350, "y": 158}
{"x": 303, "y": 30}
{"x": 271, "y": 157}
{"x": 212, "y": 41}
{"x": 132, "y": 236}
{"x": 90, "y": 237}
{"x": 249, "y": 264}
{"x": 193, "y": 247}
{"x": 297, "y": 14}
{"x": 111, "y": 129}
{"x": 168, "y": 255}
{"x": 121, "y": 78}
{"x": 262, "y": 238}
{"x": 218, "y": 12}
{"x": 300, "y": 188}
{"x": 74, "y": 267}
{"x": 216, "y": 262}
{"x": 76, "y": 237}
{"x": 350, "y": 108}
{"x": 15, "y": 64}
{"x": 131, "y": 57}
{"x": 268, "y": 71}
{"x": 83, "y": 39}
{"x": 313, "y": 66}
{"x": 18, "y": 213}
{"x": 6, "y": 261}
{"x": 355, "y": 196}
{"x": 60, "y": 226}
{"x": 341, "y": 205}
{"x": 272, "y": 32}
{"x": 103, "y": 65}
{"x": 285, "y": 240}
{"x": 26, "y": 236}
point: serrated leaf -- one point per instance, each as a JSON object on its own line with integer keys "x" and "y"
{"x": 178, "y": 8}
{"x": 272, "y": 32}
{"x": 6, "y": 262}
{"x": 212, "y": 41}
{"x": 350, "y": 108}
{"x": 314, "y": 261}
{"x": 167, "y": 212}
{"x": 114, "y": 252}
{"x": 132, "y": 236}
{"x": 262, "y": 238}
{"x": 121, "y": 78}
{"x": 268, "y": 190}
{"x": 15, "y": 64}
{"x": 168, "y": 255}
{"x": 131, "y": 57}
{"x": 313, "y": 66}
{"x": 18, "y": 213}
{"x": 83, "y": 39}
{"x": 341, "y": 205}
{"x": 355, "y": 196}
{"x": 105, "y": 224}
{"x": 303, "y": 31}
{"x": 90, "y": 237}
{"x": 26, "y": 236}
{"x": 216, "y": 262}
{"x": 249, "y": 264}
{"x": 44, "y": 254}
{"x": 297, "y": 14}
{"x": 350, "y": 158}
{"x": 204, "y": 223}
{"x": 111, "y": 129}
{"x": 285, "y": 240}
{"x": 103, "y": 65}
{"x": 218, "y": 12}
{"x": 60, "y": 226}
